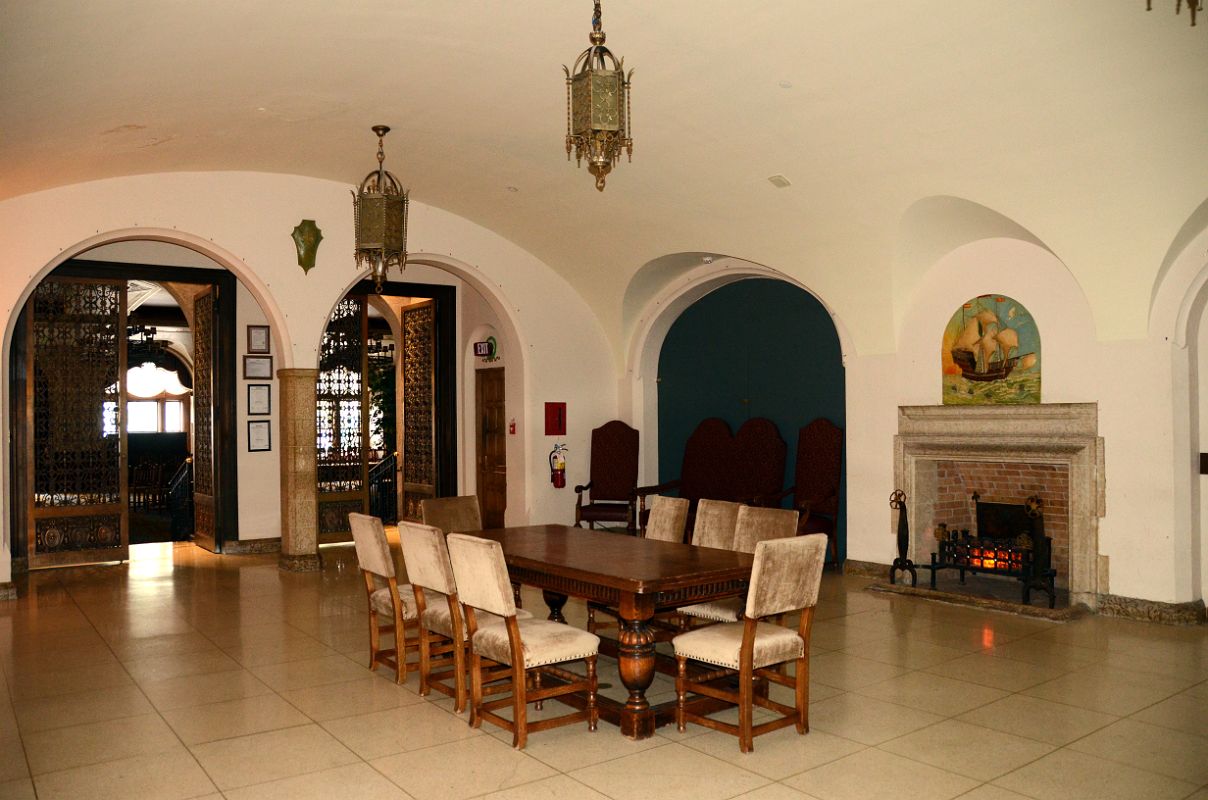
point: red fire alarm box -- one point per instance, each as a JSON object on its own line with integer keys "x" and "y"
{"x": 555, "y": 419}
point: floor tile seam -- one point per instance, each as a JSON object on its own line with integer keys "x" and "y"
{"x": 615, "y": 732}
{"x": 879, "y": 746}
{"x": 305, "y": 771}
{"x": 309, "y": 721}
{"x": 1159, "y": 724}
{"x": 292, "y": 660}
{"x": 1162, "y": 699}
{"x": 1069, "y": 746}
{"x": 670, "y": 743}
{"x": 1100, "y": 758}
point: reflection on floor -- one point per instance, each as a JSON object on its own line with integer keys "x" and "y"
{"x": 182, "y": 674}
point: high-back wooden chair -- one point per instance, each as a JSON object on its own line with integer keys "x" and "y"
{"x": 817, "y": 475}
{"x": 452, "y": 514}
{"x": 612, "y": 477}
{"x": 390, "y": 611}
{"x": 785, "y": 578}
{"x": 515, "y": 648}
{"x": 752, "y": 526}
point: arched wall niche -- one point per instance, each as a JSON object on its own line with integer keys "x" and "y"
{"x": 1178, "y": 321}
{"x": 639, "y": 389}
{"x": 1027, "y": 272}
{"x": 933, "y": 227}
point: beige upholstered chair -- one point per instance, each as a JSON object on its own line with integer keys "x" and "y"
{"x": 442, "y": 634}
{"x": 715, "y": 523}
{"x": 457, "y": 515}
{"x": 452, "y": 514}
{"x": 753, "y": 525}
{"x": 785, "y": 578}
{"x": 668, "y": 516}
{"x": 389, "y": 610}
{"x": 515, "y": 647}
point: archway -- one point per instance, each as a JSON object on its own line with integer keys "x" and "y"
{"x": 723, "y": 304}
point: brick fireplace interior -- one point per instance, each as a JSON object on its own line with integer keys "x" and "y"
{"x": 1007, "y": 482}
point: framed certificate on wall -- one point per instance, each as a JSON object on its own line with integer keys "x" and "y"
{"x": 258, "y": 340}
{"x": 259, "y": 436}
{"x": 259, "y": 399}
{"x": 257, "y": 367}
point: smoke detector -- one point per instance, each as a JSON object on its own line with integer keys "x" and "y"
{"x": 779, "y": 181}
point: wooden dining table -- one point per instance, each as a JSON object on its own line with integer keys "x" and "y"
{"x": 635, "y": 576}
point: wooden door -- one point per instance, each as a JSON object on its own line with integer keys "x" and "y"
{"x": 75, "y": 482}
{"x": 419, "y": 468}
{"x": 204, "y": 345}
{"x": 492, "y": 445}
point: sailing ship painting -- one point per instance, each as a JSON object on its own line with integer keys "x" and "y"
{"x": 991, "y": 353}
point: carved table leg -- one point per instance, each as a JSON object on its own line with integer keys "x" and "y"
{"x": 555, "y": 602}
{"x": 635, "y": 662}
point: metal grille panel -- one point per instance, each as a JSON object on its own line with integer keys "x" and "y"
{"x": 419, "y": 398}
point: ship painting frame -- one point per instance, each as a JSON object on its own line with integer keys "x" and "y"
{"x": 990, "y": 353}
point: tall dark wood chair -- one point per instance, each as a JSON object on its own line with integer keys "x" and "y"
{"x": 747, "y": 467}
{"x": 612, "y": 478}
{"x": 816, "y": 478}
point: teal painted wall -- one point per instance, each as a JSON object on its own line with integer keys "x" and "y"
{"x": 755, "y": 348}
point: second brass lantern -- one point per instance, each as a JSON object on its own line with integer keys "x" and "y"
{"x": 597, "y": 106}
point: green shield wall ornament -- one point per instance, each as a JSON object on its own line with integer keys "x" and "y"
{"x": 306, "y": 238}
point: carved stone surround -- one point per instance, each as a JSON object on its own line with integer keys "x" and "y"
{"x": 1053, "y": 433}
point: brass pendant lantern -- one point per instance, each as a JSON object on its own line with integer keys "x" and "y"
{"x": 379, "y": 210}
{"x": 597, "y": 106}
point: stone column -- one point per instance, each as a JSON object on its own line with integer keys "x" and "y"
{"x": 299, "y": 473}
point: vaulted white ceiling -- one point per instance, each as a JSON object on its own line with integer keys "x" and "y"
{"x": 1083, "y": 123}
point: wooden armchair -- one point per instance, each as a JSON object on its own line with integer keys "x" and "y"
{"x": 816, "y": 478}
{"x": 613, "y": 477}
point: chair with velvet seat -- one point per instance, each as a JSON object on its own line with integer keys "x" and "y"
{"x": 668, "y": 516}
{"x": 785, "y": 578}
{"x": 753, "y": 525}
{"x": 516, "y": 648}
{"x": 452, "y": 514}
{"x": 391, "y": 607}
{"x": 715, "y": 524}
{"x": 442, "y": 635}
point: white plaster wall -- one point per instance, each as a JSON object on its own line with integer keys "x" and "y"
{"x": 243, "y": 220}
{"x": 259, "y": 473}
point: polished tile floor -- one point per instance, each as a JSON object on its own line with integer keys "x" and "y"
{"x": 181, "y": 674}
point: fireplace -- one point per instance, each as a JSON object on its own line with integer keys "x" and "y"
{"x": 1058, "y": 438}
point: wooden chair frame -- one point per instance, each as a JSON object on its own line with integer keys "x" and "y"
{"x": 442, "y": 660}
{"x": 746, "y": 698}
{"x": 394, "y": 657}
{"x": 516, "y": 678}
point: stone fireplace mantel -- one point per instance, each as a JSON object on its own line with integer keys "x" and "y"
{"x": 1054, "y": 433}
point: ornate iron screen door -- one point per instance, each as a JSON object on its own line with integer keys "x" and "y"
{"x": 76, "y": 423}
{"x": 340, "y": 416}
{"x": 204, "y": 317}
{"x": 419, "y": 467}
